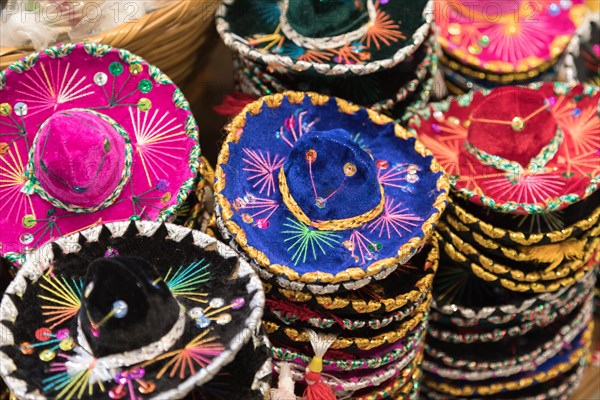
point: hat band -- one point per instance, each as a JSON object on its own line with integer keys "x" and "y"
{"x": 331, "y": 225}
{"x": 145, "y": 353}
{"x": 326, "y": 42}
{"x": 513, "y": 169}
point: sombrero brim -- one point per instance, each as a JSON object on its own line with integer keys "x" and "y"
{"x": 150, "y": 109}
{"x": 25, "y": 306}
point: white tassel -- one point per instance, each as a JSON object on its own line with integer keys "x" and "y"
{"x": 320, "y": 343}
{"x": 285, "y": 385}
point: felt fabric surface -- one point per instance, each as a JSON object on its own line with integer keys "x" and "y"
{"x": 567, "y": 176}
{"x": 252, "y": 206}
{"x": 502, "y": 37}
{"x": 114, "y": 110}
{"x": 391, "y": 32}
{"x": 219, "y": 297}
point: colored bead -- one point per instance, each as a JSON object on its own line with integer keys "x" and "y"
{"x": 412, "y": 178}
{"x": 43, "y": 334}
{"x": 67, "y": 344}
{"x": 238, "y": 303}
{"x": 311, "y": 155}
{"x": 4, "y": 148}
{"x": 375, "y": 246}
{"x": 412, "y": 169}
{"x": 100, "y": 78}
{"x": 262, "y": 223}
{"x": 224, "y": 319}
{"x": 554, "y": 9}
{"x": 247, "y": 218}
{"x": 349, "y": 169}
{"x": 5, "y": 109}
{"x": 217, "y": 302}
{"x": 196, "y": 313}
{"x": 454, "y": 29}
{"x": 203, "y": 322}
{"x": 165, "y": 198}
{"x": 517, "y": 124}
{"x": 144, "y": 104}
{"x": 120, "y": 308}
{"x": 382, "y": 164}
{"x": 320, "y": 202}
{"x": 484, "y": 41}
{"x": 135, "y": 68}
{"x": 576, "y": 112}
{"x": 47, "y": 355}
{"x": 115, "y": 68}
{"x": 111, "y": 252}
{"x": 474, "y": 49}
{"x": 117, "y": 393}
{"x": 89, "y": 288}
{"x": 454, "y": 120}
{"x": 26, "y": 349}
{"x": 28, "y": 221}
{"x": 348, "y": 245}
{"x": 147, "y": 388}
{"x": 21, "y": 109}
{"x": 145, "y": 86}
{"x": 26, "y": 238}
{"x": 62, "y": 334}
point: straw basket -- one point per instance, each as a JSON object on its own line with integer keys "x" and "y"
{"x": 168, "y": 37}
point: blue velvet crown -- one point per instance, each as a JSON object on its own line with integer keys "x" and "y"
{"x": 324, "y": 186}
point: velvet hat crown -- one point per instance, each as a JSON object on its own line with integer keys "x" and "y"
{"x": 89, "y": 134}
{"x": 137, "y": 308}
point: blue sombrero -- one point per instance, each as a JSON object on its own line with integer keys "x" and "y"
{"x": 319, "y": 192}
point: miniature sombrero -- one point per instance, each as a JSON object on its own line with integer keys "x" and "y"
{"x": 89, "y": 134}
{"x": 138, "y": 309}
{"x": 333, "y": 37}
{"x": 517, "y": 150}
{"x": 507, "y": 37}
{"x": 288, "y": 181}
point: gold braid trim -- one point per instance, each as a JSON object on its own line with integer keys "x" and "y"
{"x": 541, "y": 377}
{"x": 234, "y": 131}
{"x": 362, "y": 343}
{"x": 362, "y": 306}
{"x": 519, "y": 237}
{"x": 331, "y": 225}
{"x": 576, "y": 253}
{"x": 535, "y": 287}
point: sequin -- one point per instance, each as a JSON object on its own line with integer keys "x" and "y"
{"x": 117, "y": 393}
{"x": 436, "y": 128}
{"x": 474, "y": 49}
{"x": 47, "y": 355}
{"x": 111, "y": 252}
{"x": 311, "y": 155}
{"x": 26, "y": 349}
{"x": 3, "y": 148}
{"x": 238, "y": 303}
{"x": 348, "y": 245}
{"x": 216, "y": 302}
{"x": 196, "y": 313}
{"x": 43, "y": 334}
{"x": 247, "y": 218}
{"x": 100, "y": 78}
{"x": 517, "y": 124}
{"x": 412, "y": 178}
{"x": 375, "y": 246}
{"x": 262, "y": 223}
{"x": 203, "y": 322}
{"x": 412, "y": 169}
{"x": 454, "y": 29}
{"x": 21, "y": 109}
{"x": 454, "y": 120}
{"x": 165, "y": 198}
{"x": 566, "y": 4}
{"x": 135, "y": 68}
{"x": 28, "y": 221}
{"x": 144, "y": 104}
{"x": 382, "y": 164}
{"x": 145, "y": 86}
{"x": 162, "y": 185}
{"x": 26, "y": 238}
{"x": 115, "y": 68}
{"x": 62, "y": 334}
{"x": 224, "y": 319}
{"x": 349, "y": 169}
{"x": 320, "y": 202}
{"x": 147, "y": 387}
{"x": 120, "y": 308}
{"x": 484, "y": 41}
{"x": 438, "y": 115}
{"x": 576, "y": 112}
{"x": 67, "y": 344}
{"x": 554, "y": 9}
{"x": 5, "y": 109}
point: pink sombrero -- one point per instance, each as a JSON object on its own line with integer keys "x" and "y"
{"x": 518, "y": 150}
{"x": 88, "y": 135}
{"x": 507, "y": 36}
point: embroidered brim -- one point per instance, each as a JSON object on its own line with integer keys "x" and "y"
{"x": 285, "y": 250}
{"x": 154, "y": 133}
{"x": 43, "y": 355}
{"x": 395, "y": 32}
{"x": 502, "y": 39}
{"x": 570, "y": 175}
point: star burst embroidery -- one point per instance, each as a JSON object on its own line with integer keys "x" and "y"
{"x": 394, "y": 176}
{"x": 530, "y": 188}
{"x": 15, "y": 204}
{"x": 383, "y": 30}
{"x": 583, "y": 129}
{"x": 515, "y": 41}
{"x": 359, "y": 244}
{"x": 64, "y": 295}
{"x": 186, "y": 281}
{"x": 262, "y": 167}
{"x": 394, "y": 219}
{"x": 296, "y": 126}
{"x": 69, "y": 384}
{"x": 305, "y": 240}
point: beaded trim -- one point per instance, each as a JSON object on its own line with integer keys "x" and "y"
{"x": 324, "y": 42}
{"x": 545, "y": 351}
{"x": 316, "y": 279}
{"x": 34, "y": 184}
{"x": 242, "y": 48}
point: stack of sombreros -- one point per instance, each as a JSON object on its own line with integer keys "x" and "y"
{"x": 334, "y": 206}
{"x": 489, "y": 44}
{"x": 89, "y": 134}
{"x": 513, "y": 296}
{"x": 126, "y": 310}
{"x": 375, "y": 53}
